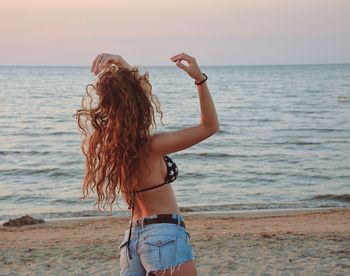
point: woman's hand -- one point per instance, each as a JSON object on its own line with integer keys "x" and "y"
{"x": 192, "y": 69}
{"x": 104, "y": 59}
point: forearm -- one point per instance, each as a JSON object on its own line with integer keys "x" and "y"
{"x": 209, "y": 117}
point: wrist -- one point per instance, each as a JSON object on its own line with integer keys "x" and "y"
{"x": 201, "y": 80}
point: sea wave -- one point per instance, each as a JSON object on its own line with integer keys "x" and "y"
{"x": 326, "y": 197}
{"x": 207, "y": 154}
{"x": 24, "y": 152}
{"x": 120, "y": 212}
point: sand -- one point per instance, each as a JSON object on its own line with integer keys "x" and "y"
{"x": 312, "y": 242}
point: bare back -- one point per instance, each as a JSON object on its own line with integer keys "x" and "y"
{"x": 160, "y": 200}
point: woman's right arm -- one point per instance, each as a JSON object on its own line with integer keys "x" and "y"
{"x": 104, "y": 59}
{"x": 165, "y": 143}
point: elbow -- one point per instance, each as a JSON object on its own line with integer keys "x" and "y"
{"x": 216, "y": 129}
{"x": 213, "y": 129}
{"x": 216, "y": 126}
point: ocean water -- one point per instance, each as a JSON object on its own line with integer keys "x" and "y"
{"x": 284, "y": 140}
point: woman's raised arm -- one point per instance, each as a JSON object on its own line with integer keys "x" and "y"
{"x": 169, "y": 142}
{"x": 103, "y": 60}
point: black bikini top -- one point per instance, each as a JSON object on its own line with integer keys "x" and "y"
{"x": 172, "y": 172}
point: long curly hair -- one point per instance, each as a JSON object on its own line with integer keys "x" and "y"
{"x": 116, "y": 120}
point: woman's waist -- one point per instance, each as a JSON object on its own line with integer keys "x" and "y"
{"x": 156, "y": 221}
{"x": 148, "y": 210}
{"x": 156, "y": 217}
{"x": 165, "y": 228}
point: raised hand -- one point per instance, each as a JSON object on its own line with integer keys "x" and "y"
{"x": 104, "y": 59}
{"x": 192, "y": 68}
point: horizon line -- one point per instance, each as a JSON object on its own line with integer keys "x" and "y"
{"x": 202, "y": 65}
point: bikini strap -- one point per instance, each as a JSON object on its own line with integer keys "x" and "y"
{"x": 150, "y": 188}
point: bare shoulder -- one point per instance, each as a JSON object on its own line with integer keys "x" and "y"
{"x": 173, "y": 141}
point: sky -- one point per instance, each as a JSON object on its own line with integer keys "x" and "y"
{"x": 149, "y": 32}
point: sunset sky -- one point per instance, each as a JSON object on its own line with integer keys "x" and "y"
{"x": 220, "y": 32}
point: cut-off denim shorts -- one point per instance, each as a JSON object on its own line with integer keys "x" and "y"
{"x": 155, "y": 247}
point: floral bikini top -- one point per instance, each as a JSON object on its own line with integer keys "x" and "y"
{"x": 172, "y": 173}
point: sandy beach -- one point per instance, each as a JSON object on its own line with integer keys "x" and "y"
{"x": 297, "y": 242}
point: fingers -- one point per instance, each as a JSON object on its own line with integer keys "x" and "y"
{"x": 191, "y": 69}
{"x": 183, "y": 56}
{"x": 181, "y": 65}
{"x": 92, "y": 69}
{"x": 106, "y": 58}
{"x": 190, "y": 60}
{"x": 96, "y": 64}
{"x": 100, "y": 62}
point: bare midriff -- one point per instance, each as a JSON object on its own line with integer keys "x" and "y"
{"x": 158, "y": 201}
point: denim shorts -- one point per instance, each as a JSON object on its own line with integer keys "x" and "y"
{"x": 153, "y": 247}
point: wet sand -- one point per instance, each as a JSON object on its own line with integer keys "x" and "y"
{"x": 297, "y": 242}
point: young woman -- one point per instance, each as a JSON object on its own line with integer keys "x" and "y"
{"x": 123, "y": 155}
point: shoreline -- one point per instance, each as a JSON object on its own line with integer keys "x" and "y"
{"x": 262, "y": 212}
{"x": 295, "y": 242}
{"x": 252, "y": 212}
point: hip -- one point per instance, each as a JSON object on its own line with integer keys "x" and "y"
{"x": 158, "y": 245}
